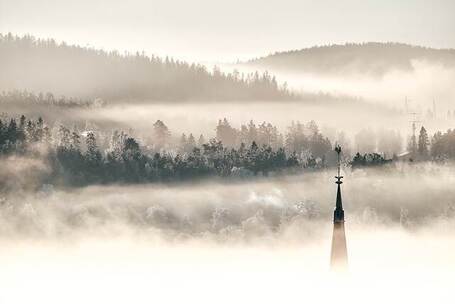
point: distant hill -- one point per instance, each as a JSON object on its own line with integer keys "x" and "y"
{"x": 371, "y": 58}
{"x": 36, "y": 65}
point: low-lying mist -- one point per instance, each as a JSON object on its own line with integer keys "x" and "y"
{"x": 202, "y": 117}
{"x": 422, "y": 84}
{"x": 266, "y": 239}
{"x": 290, "y": 210}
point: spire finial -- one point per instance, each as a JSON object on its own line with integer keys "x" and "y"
{"x": 338, "y": 215}
{"x": 338, "y": 151}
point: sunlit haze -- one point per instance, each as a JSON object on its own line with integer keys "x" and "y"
{"x": 227, "y": 151}
{"x": 207, "y": 30}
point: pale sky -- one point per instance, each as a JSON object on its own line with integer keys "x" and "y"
{"x": 211, "y": 30}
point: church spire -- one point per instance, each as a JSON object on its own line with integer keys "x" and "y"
{"x": 339, "y": 254}
{"x": 338, "y": 214}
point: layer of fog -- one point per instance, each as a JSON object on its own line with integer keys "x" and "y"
{"x": 386, "y": 266}
{"x": 423, "y": 84}
{"x": 287, "y": 210}
{"x": 202, "y": 118}
{"x": 265, "y": 240}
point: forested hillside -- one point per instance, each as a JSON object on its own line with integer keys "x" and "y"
{"x": 372, "y": 58}
{"x": 72, "y": 157}
{"x": 25, "y": 99}
{"x": 77, "y": 158}
{"x": 47, "y": 66}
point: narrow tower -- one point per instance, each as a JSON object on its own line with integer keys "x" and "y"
{"x": 339, "y": 255}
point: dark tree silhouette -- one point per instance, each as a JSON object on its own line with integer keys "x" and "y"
{"x": 423, "y": 143}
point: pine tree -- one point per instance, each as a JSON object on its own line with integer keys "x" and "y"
{"x": 39, "y": 132}
{"x": 93, "y": 159}
{"x": 183, "y": 143}
{"x": 2, "y": 135}
{"x": 437, "y": 147}
{"x": 92, "y": 154}
{"x": 47, "y": 137}
{"x": 22, "y": 121}
{"x": 30, "y": 131}
{"x": 423, "y": 142}
{"x": 75, "y": 141}
{"x": 12, "y": 132}
{"x": 131, "y": 150}
{"x": 191, "y": 143}
{"x": 252, "y": 133}
{"x": 161, "y": 134}
{"x": 201, "y": 141}
{"x": 21, "y": 136}
{"x": 64, "y": 138}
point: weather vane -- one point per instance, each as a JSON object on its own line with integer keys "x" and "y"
{"x": 338, "y": 151}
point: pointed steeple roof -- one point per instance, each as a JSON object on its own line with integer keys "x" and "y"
{"x": 338, "y": 215}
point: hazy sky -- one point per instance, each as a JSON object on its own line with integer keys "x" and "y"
{"x": 209, "y": 30}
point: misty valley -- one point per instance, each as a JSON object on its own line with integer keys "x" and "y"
{"x": 129, "y": 176}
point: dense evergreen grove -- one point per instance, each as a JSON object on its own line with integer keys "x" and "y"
{"x": 47, "y": 66}
{"x": 442, "y": 145}
{"x": 89, "y": 157}
{"x": 368, "y": 160}
{"x": 24, "y": 98}
{"x": 373, "y": 58}
{"x": 77, "y": 159}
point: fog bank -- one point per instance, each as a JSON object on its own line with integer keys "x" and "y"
{"x": 288, "y": 210}
{"x": 267, "y": 239}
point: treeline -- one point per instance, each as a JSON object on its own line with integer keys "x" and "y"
{"x": 47, "y": 66}
{"x": 443, "y": 145}
{"x": 422, "y": 147}
{"x": 76, "y": 159}
{"x": 24, "y": 98}
{"x": 371, "y": 58}
{"x": 299, "y": 138}
{"x": 439, "y": 147}
{"x": 15, "y": 137}
{"x": 368, "y": 160}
